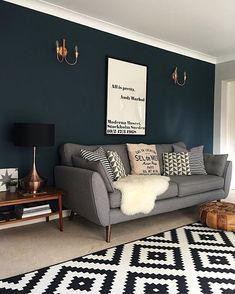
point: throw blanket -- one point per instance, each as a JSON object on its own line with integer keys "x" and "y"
{"x": 139, "y": 192}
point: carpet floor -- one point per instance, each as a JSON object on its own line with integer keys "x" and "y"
{"x": 30, "y": 247}
{"x": 190, "y": 259}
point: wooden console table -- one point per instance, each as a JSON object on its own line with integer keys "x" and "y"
{"x": 8, "y": 199}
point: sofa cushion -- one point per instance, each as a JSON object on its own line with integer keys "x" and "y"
{"x": 116, "y": 164}
{"x": 176, "y": 164}
{"x": 143, "y": 159}
{"x": 98, "y": 155}
{"x": 196, "y": 160}
{"x": 67, "y": 150}
{"x": 115, "y": 197}
{"x": 166, "y": 148}
{"x": 121, "y": 150}
{"x": 188, "y": 185}
{"x": 215, "y": 164}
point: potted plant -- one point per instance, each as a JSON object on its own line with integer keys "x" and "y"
{"x": 12, "y": 186}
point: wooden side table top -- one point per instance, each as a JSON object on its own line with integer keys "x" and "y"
{"x": 7, "y": 198}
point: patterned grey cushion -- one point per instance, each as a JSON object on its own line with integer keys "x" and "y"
{"x": 176, "y": 164}
{"x": 94, "y": 166}
{"x": 98, "y": 155}
{"x": 196, "y": 160}
{"x": 116, "y": 164}
{"x": 161, "y": 148}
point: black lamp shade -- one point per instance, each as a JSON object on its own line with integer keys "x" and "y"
{"x": 31, "y": 134}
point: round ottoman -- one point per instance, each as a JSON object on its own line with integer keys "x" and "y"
{"x": 218, "y": 215}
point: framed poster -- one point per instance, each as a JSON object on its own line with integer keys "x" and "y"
{"x": 126, "y": 98}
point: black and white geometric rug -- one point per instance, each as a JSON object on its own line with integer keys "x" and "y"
{"x": 192, "y": 259}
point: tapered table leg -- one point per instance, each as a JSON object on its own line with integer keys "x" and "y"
{"x": 60, "y": 213}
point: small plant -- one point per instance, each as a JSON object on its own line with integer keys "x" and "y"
{"x": 12, "y": 183}
{"x": 12, "y": 186}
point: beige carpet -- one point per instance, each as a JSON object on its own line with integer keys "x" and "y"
{"x": 31, "y": 247}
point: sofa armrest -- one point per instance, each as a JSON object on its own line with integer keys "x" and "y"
{"x": 85, "y": 193}
{"x": 227, "y": 177}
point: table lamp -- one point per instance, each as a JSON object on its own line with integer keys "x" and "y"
{"x": 33, "y": 135}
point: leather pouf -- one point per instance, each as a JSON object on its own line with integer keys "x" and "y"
{"x": 218, "y": 215}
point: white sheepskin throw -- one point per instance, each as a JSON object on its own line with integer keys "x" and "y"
{"x": 139, "y": 192}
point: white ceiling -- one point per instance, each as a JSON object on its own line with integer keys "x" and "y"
{"x": 205, "y": 26}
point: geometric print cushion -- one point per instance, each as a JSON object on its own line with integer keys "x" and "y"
{"x": 196, "y": 160}
{"x": 116, "y": 164}
{"x": 176, "y": 164}
{"x": 98, "y": 155}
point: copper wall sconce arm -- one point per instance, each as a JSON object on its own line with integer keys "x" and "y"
{"x": 175, "y": 78}
{"x": 62, "y": 52}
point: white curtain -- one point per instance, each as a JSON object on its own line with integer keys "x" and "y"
{"x": 228, "y": 124}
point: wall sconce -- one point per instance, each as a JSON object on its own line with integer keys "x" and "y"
{"x": 62, "y": 52}
{"x": 175, "y": 78}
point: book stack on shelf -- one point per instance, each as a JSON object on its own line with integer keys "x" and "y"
{"x": 7, "y": 216}
{"x": 36, "y": 210}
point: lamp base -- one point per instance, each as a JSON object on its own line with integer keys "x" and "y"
{"x": 32, "y": 183}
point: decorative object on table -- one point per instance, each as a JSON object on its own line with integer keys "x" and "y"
{"x": 12, "y": 186}
{"x": 218, "y": 215}
{"x": 33, "y": 135}
{"x": 176, "y": 164}
{"x": 175, "y": 78}
{"x": 126, "y": 98}
{"x": 62, "y": 52}
{"x": 7, "y": 175}
{"x": 143, "y": 159}
{"x": 190, "y": 259}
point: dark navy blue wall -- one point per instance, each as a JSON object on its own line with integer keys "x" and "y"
{"x": 34, "y": 87}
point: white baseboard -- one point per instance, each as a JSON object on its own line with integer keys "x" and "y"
{"x": 34, "y": 221}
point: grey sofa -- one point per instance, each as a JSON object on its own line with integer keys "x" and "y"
{"x": 86, "y": 193}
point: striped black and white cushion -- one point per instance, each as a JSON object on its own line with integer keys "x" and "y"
{"x": 196, "y": 161}
{"x": 98, "y": 155}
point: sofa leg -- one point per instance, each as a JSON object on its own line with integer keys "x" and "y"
{"x": 71, "y": 215}
{"x": 108, "y": 233}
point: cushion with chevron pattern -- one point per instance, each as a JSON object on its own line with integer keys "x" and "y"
{"x": 98, "y": 155}
{"x": 196, "y": 160}
{"x": 176, "y": 164}
{"x": 116, "y": 164}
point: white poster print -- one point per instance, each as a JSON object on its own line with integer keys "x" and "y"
{"x": 126, "y": 98}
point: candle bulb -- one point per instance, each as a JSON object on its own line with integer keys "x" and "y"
{"x": 76, "y": 51}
